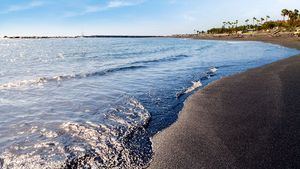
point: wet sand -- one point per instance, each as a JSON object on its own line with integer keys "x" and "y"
{"x": 249, "y": 120}
{"x": 284, "y": 39}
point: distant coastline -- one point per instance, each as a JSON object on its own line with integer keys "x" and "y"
{"x": 89, "y": 36}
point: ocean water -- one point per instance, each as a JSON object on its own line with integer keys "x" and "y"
{"x": 95, "y": 103}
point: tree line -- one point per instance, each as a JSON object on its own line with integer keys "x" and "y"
{"x": 291, "y": 20}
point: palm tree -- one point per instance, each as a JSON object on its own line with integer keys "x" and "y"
{"x": 267, "y": 17}
{"x": 293, "y": 16}
{"x": 224, "y": 24}
{"x": 262, "y": 20}
{"x": 229, "y": 23}
{"x": 247, "y": 20}
{"x": 247, "y": 25}
{"x": 254, "y": 19}
{"x": 257, "y": 21}
{"x": 284, "y": 13}
{"x": 296, "y": 13}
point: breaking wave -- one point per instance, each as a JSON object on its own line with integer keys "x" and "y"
{"x": 43, "y": 80}
{"x": 131, "y": 66}
{"x": 203, "y": 76}
{"x": 120, "y": 142}
{"x": 190, "y": 89}
{"x": 117, "y": 55}
{"x": 166, "y": 59}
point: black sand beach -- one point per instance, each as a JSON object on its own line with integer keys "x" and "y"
{"x": 249, "y": 120}
{"x": 282, "y": 39}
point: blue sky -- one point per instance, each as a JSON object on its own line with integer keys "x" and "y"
{"x": 131, "y": 17}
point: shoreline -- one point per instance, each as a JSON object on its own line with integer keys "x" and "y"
{"x": 285, "y": 40}
{"x": 219, "y": 127}
{"x": 83, "y": 36}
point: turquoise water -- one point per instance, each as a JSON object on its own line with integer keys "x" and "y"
{"x": 96, "y": 102}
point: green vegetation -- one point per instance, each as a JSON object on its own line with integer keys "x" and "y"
{"x": 291, "y": 20}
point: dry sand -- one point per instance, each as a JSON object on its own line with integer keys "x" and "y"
{"x": 249, "y": 120}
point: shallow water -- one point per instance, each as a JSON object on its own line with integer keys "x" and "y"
{"x": 95, "y": 102}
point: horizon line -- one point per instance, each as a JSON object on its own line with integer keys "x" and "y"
{"x": 81, "y": 36}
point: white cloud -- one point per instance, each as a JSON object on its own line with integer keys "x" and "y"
{"x": 111, "y": 4}
{"x": 21, "y": 7}
{"x": 121, "y": 3}
{"x": 116, "y": 4}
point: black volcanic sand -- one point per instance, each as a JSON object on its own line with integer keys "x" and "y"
{"x": 249, "y": 120}
{"x": 283, "y": 39}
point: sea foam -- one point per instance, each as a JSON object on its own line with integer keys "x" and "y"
{"x": 119, "y": 143}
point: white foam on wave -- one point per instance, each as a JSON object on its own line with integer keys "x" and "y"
{"x": 206, "y": 75}
{"x": 86, "y": 144}
{"x": 16, "y": 84}
{"x": 42, "y": 80}
{"x": 38, "y": 81}
{"x": 213, "y": 70}
{"x": 195, "y": 85}
{"x": 107, "y": 140}
{"x": 190, "y": 89}
{"x": 60, "y": 55}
